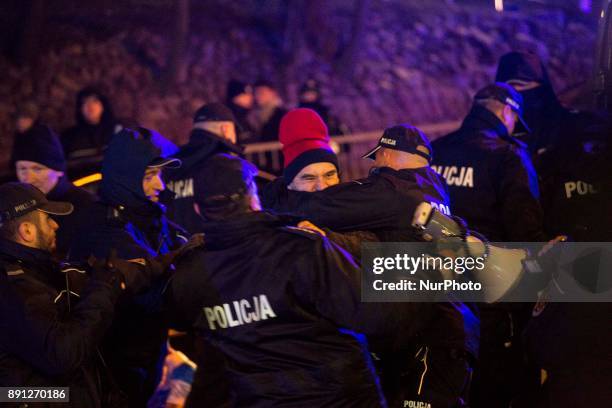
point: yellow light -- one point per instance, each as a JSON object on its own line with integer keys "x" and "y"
{"x": 499, "y": 5}
{"x": 92, "y": 178}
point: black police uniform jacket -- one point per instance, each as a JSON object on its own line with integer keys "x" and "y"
{"x": 42, "y": 344}
{"x": 272, "y": 299}
{"x": 383, "y": 203}
{"x": 491, "y": 180}
{"x": 202, "y": 145}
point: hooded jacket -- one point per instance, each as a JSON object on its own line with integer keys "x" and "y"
{"x": 42, "y": 342}
{"x": 85, "y": 139}
{"x": 126, "y": 220}
{"x": 202, "y": 145}
{"x": 271, "y": 298}
{"x": 482, "y": 164}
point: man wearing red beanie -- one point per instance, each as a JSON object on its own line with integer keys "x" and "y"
{"x": 310, "y": 162}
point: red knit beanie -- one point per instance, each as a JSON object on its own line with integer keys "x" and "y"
{"x": 305, "y": 141}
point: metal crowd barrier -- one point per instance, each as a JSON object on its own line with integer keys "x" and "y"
{"x": 350, "y": 149}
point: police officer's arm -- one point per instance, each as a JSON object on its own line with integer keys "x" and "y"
{"x": 184, "y": 293}
{"x": 332, "y": 286}
{"x": 355, "y": 206}
{"x": 36, "y": 333}
{"x": 519, "y": 196}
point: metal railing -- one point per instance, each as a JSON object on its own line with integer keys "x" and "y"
{"x": 350, "y": 149}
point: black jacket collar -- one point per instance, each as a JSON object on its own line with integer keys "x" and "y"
{"x": 38, "y": 262}
{"x": 221, "y": 234}
{"x": 481, "y": 119}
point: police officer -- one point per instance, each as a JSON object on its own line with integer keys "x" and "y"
{"x": 42, "y": 342}
{"x": 571, "y": 152}
{"x": 383, "y": 203}
{"x": 489, "y": 174}
{"x": 39, "y": 160}
{"x": 494, "y": 187}
{"x": 272, "y": 298}
{"x": 130, "y": 219}
{"x": 214, "y": 131}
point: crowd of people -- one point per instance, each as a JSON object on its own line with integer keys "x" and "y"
{"x": 187, "y": 280}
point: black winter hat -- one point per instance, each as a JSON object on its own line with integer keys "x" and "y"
{"x": 311, "y": 85}
{"x": 522, "y": 66}
{"x": 214, "y": 112}
{"x": 40, "y": 144}
{"x": 235, "y": 88}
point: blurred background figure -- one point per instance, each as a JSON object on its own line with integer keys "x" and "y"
{"x": 268, "y": 112}
{"x": 310, "y": 97}
{"x": 25, "y": 117}
{"x": 95, "y": 125}
{"x": 39, "y": 161}
{"x": 239, "y": 99}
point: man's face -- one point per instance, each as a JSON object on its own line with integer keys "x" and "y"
{"x": 228, "y": 132}
{"x": 24, "y": 123}
{"x": 152, "y": 183}
{"x": 265, "y": 95}
{"x": 309, "y": 97}
{"x": 42, "y": 231}
{"x": 38, "y": 175}
{"x": 510, "y": 118}
{"x": 315, "y": 177}
{"x": 92, "y": 110}
{"x": 244, "y": 100}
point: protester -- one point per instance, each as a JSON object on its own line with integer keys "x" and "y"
{"x": 266, "y": 116}
{"x": 309, "y": 162}
{"x": 95, "y": 125}
{"x": 130, "y": 219}
{"x": 310, "y": 97}
{"x": 239, "y": 99}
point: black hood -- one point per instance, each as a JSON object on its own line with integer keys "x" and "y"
{"x": 123, "y": 168}
{"x": 202, "y": 145}
{"x": 108, "y": 118}
{"x": 541, "y": 108}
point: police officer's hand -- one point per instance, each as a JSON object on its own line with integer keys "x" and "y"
{"x": 195, "y": 241}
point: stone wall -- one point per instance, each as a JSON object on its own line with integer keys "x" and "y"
{"x": 414, "y": 65}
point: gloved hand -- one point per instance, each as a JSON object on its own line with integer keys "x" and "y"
{"x": 166, "y": 260}
{"x": 105, "y": 270}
